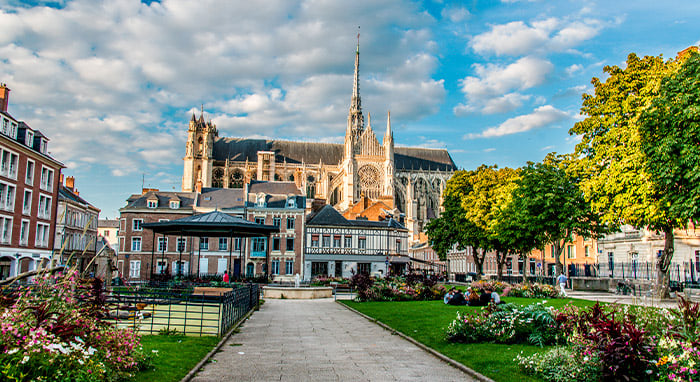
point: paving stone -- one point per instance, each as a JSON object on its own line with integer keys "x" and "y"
{"x": 318, "y": 340}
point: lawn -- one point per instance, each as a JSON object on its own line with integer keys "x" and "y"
{"x": 426, "y": 322}
{"x": 176, "y": 356}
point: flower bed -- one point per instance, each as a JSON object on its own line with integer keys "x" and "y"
{"x": 327, "y": 280}
{"x": 611, "y": 342}
{"x": 396, "y": 288}
{"x": 531, "y": 290}
{"x": 54, "y": 331}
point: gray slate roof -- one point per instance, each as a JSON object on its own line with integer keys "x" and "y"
{"x": 66, "y": 194}
{"x": 275, "y": 188}
{"x": 108, "y": 223}
{"x": 406, "y": 158}
{"x": 214, "y": 224}
{"x": 141, "y": 200}
{"x": 329, "y": 216}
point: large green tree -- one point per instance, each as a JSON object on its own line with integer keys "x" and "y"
{"x": 615, "y": 167}
{"x": 550, "y": 207}
{"x": 452, "y": 227}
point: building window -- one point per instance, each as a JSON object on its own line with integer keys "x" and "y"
{"x": 260, "y": 220}
{"x": 326, "y": 241}
{"x": 135, "y": 269}
{"x": 29, "y": 139}
{"x": 314, "y": 240}
{"x": 24, "y": 233}
{"x": 181, "y": 244}
{"x": 570, "y": 252}
{"x": 204, "y": 243}
{"x": 44, "y": 207}
{"x": 364, "y": 268}
{"x": 161, "y": 266}
{"x": 152, "y": 203}
{"x": 29, "y": 176}
{"x": 162, "y": 244}
{"x": 260, "y": 201}
{"x": 8, "y": 164}
{"x": 42, "y": 235}
{"x": 275, "y": 243}
{"x": 136, "y": 225}
{"x": 398, "y": 245}
{"x": 290, "y": 244}
{"x": 46, "y": 182}
{"x": 105, "y": 233}
{"x": 348, "y": 241}
{"x": 174, "y": 204}
{"x": 6, "y": 233}
{"x": 586, "y": 251}
{"x": 275, "y": 269}
{"x": 258, "y": 247}
{"x": 319, "y": 268}
{"x": 292, "y": 202}
{"x": 7, "y": 197}
{"x": 223, "y": 244}
{"x": 277, "y": 221}
{"x": 289, "y": 267}
{"x": 136, "y": 244}
{"x": 290, "y": 223}
{"x": 237, "y": 244}
{"x": 361, "y": 243}
{"x": 336, "y": 241}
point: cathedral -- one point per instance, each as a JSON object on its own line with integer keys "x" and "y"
{"x": 408, "y": 179}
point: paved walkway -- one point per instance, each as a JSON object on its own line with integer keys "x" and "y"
{"x": 621, "y": 299}
{"x": 319, "y": 340}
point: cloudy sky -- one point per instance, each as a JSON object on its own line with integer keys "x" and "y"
{"x": 113, "y": 83}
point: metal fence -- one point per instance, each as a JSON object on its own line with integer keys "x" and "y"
{"x": 154, "y": 311}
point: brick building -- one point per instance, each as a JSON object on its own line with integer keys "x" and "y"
{"x": 28, "y": 195}
{"x": 280, "y": 204}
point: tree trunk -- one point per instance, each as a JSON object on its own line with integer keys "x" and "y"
{"x": 478, "y": 261}
{"x": 525, "y": 266}
{"x": 500, "y": 260}
{"x": 558, "y": 249}
{"x": 663, "y": 264}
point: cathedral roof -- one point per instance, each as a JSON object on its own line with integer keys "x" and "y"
{"x": 276, "y": 188}
{"x": 405, "y": 158}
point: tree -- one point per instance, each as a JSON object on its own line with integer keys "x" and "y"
{"x": 614, "y": 166}
{"x": 452, "y": 227}
{"x": 551, "y": 208}
{"x": 670, "y": 136}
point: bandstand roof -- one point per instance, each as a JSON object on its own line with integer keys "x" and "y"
{"x": 212, "y": 224}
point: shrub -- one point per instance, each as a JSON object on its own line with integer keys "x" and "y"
{"x": 507, "y": 323}
{"x": 363, "y": 283}
{"x": 561, "y": 364}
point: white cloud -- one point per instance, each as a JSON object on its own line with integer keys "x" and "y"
{"x": 455, "y": 14}
{"x": 490, "y": 149}
{"x": 571, "y": 70}
{"x": 540, "y": 117}
{"x": 491, "y": 90}
{"x": 551, "y": 34}
{"x": 108, "y": 81}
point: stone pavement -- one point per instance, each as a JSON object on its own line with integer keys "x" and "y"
{"x": 319, "y": 340}
{"x": 620, "y": 299}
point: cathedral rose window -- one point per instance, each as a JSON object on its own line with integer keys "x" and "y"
{"x": 369, "y": 177}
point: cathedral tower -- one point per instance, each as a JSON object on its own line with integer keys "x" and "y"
{"x": 199, "y": 153}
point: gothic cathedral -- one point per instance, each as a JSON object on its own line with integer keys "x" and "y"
{"x": 408, "y": 179}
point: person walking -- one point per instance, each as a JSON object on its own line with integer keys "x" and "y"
{"x": 562, "y": 283}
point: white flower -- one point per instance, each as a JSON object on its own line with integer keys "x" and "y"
{"x": 13, "y": 351}
{"x": 80, "y": 361}
{"x": 79, "y": 340}
{"x": 91, "y": 350}
{"x": 154, "y": 351}
{"x": 25, "y": 359}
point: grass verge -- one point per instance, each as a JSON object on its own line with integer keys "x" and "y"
{"x": 427, "y": 321}
{"x": 177, "y": 355}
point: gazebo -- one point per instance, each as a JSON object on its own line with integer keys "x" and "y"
{"x": 211, "y": 224}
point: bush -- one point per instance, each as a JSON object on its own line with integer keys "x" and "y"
{"x": 507, "y": 323}
{"x": 54, "y": 331}
{"x": 561, "y": 364}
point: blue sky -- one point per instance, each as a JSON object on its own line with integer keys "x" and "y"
{"x": 113, "y": 83}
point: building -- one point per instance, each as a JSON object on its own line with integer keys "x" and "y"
{"x": 76, "y": 228}
{"x": 632, "y": 253}
{"x": 273, "y": 203}
{"x": 424, "y": 259}
{"x": 336, "y": 246}
{"x": 410, "y": 179}
{"x": 28, "y": 195}
{"x": 109, "y": 230}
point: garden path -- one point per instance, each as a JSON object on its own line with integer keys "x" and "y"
{"x": 319, "y": 340}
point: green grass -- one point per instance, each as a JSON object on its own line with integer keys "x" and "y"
{"x": 177, "y": 355}
{"x": 427, "y": 321}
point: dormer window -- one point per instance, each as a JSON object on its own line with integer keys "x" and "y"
{"x": 174, "y": 204}
{"x": 152, "y": 203}
{"x": 260, "y": 201}
{"x": 291, "y": 202}
{"x": 43, "y": 146}
{"x": 29, "y": 139}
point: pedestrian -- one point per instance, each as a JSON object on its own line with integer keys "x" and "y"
{"x": 225, "y": 276}
{"x": 448, "y": 296}
{"x": 562, "y": 283}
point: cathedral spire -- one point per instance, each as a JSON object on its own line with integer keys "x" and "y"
{"x": 356, "y": 121}
{"x": 388, "y": 126}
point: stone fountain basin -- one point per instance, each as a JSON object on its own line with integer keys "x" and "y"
{"x": 271, "y": 291}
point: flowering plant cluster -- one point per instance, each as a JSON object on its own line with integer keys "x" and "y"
{"x": 328, "y": 280}
{"x": 507, "y": 323}
{"x": 54, "y": 331}
{"x": 623, "y": 343}
{"x": 496, "y": 286}
{"x": 533, "y": 290}
{"x": 396, "y": 288}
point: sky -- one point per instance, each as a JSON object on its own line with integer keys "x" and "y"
{"x": 113, "y": 83}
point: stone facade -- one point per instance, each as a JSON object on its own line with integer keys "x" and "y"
{"x": 76, "y": 228}
{"x": 410, "y": 179}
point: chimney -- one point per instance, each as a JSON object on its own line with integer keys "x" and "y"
{"x": 70, "y": 183}
{"x": 4, "y": 97}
